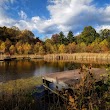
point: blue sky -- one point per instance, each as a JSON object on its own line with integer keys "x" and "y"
{"x": 47, "y": 17}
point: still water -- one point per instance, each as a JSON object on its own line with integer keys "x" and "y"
{"x": 27, "y": 68}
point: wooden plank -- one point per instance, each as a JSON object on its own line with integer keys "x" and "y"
{"x": 70, "y": 77}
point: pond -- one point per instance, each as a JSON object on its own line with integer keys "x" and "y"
{"x": 18, "y": 69}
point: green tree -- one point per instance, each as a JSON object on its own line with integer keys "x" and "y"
{"x": 105, "y": 33}
{"x": 89, "y": 34}
{"x": 70, "y": 37}
{"x": 61, "y": 38}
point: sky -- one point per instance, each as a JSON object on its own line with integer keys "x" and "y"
{"x": 47, "y": 17}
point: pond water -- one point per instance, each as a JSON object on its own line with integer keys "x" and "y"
{"x": 18, "y": 69}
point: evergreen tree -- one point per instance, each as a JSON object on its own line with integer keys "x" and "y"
{"x": 61, "y": 37}
{"x": 70, "y": 37}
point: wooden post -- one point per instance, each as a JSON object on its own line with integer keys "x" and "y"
{"x": 57, "y": 80}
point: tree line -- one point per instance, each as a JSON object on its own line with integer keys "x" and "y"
{"x": 15, "y": 41}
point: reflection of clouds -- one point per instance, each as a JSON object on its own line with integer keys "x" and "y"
{"x": 44, "y": 70}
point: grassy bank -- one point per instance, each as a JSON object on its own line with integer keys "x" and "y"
{"x": 20, "y": 84}
{"x": 17, "y": 94}
{"x": 87, "y": 95}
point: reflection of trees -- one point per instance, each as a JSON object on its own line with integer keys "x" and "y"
{"x": 7, "y": 65}
{"x": 72, "y": 66}
{"x": 25, "y": 65}
{"x": 38, "y": 63}
{"x": 26, "y": 68}
{"x": 61, "y": 65}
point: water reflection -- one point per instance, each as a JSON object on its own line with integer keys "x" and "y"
{"x": 28, "y": 68}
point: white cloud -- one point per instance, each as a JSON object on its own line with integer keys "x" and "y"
{"x": 102, "y": 27}
{"x": 4, "y": 19}
{"x": 75, "y": 14}
{"x": 65, "y": 15}
{"x": 70, "y": 14}
{"x": 22, "y": 14}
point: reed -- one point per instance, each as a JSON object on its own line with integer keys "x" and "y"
{"x": 78, "y": 56}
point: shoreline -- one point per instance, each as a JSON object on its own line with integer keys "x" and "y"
{"x": 78, "y": 56}
{"x": 62, "y": 56}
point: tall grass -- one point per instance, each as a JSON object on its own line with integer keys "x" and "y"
{"x": 91, "y": 94}
{"x": 78, "y": 56}
{"x": 16, "y": 94}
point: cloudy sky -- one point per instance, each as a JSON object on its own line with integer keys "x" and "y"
{"x": 46, "y": 17}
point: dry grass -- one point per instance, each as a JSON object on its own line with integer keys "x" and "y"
{"x": 17, "y": 94}
{"x": 20, "y": 84}
{"x": 79, "y": 56}
{"x": 91, "y": 95}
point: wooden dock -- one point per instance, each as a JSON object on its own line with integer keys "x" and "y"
{"x": 70, "y": 78}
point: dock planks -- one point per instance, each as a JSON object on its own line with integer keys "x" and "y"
{"x": 71, "y": 77}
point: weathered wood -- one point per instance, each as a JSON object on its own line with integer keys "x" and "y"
{"x": 72, "y": 77}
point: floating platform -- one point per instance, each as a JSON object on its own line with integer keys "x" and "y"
{"x": 70, "y": 78}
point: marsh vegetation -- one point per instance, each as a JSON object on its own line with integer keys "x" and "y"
{"x": 17, "y": 94}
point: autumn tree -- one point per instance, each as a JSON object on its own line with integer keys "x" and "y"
{"x": 19, "y": 47}
{"x": 12, "y": 49}
{"x": 55, "y": 48}
{"x": 71, "y": 47}
{"x": 62, "y": 48}
{"x": 104, "y": 46}
{"x": 55, "y": 38}
{"x": 48, "y": 46}
{"x": 36, "y": 47}
{"x": 3, "y": 47}
{"x": 82, "y": 47}
{"x": 95, "y": 46}
{"x": 26, "y": 48}
{"x": 8, "y": 44}
{"x": 41, "y": 50}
